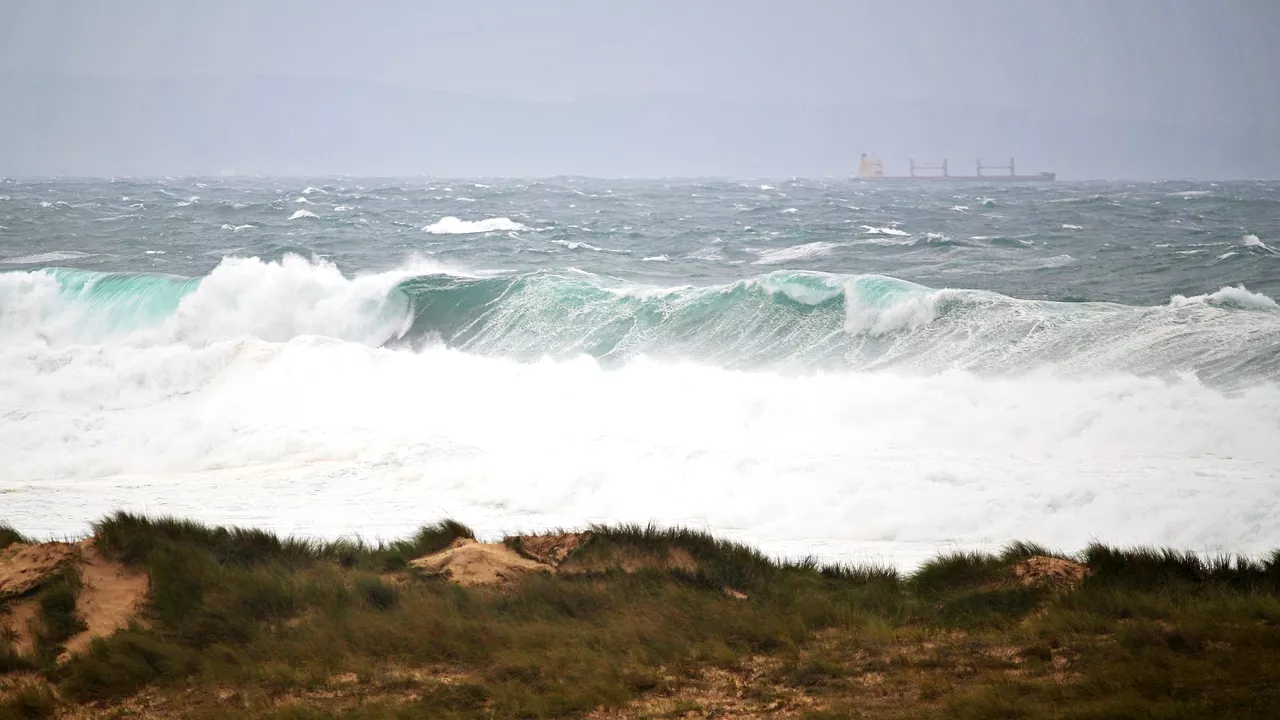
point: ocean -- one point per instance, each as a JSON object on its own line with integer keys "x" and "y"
{"x": 853, "y": 371}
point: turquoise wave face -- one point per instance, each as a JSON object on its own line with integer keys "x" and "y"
{"x": 123, "y": 302}
{"x": 786, "y": 318}
{"x": 808, "y": 321}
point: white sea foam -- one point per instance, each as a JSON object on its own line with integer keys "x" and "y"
{"x": 45, "y": 258}
{"x": 238, "y": 228}
{"x": 455, "y": 226}
{"x": 1068, "y": 226}
{"x": 242, "y": 297}
{"x": 1057, "y": 261}
{"x": 303, "y": 200}
{"x": 1229, "y": 296}
{"x": 790, "y": 211}
{"x": 316, "y": 436}
{"x": 795, "y": 252}
{"x": 869, "y": 230}
{"x": 302, "y": 214}
{"x": 1252, "y": 241}
{"x": 906, "y": 312}
{"x": 655, "y": 258}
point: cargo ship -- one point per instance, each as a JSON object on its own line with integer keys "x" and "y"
{"x": 870, "y": 168}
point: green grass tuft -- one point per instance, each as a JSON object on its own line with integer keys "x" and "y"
{"x": 376, "y": 593}
{"x": 863, "y": 574}
{"x": 58, "y": 617}
{"x": 1021, "y": 550}
{"x": 1144, "y": 568}
{"x": 720, "y": 563}
{"x": 956, "y": 571}
{"x": 9, "y": 536}
{"x": 122, "y": 664}
{"x": 133, "y": 538}
{"x": 30, "y": 702}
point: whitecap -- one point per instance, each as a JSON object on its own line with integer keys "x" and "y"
{"x": 47, "y": 257}
{"x": 1238, "y": 297}
{"x": 455, "y": 226}
{"x": 795, "y": 252}
{"x": 1057, "y": 261}
{"x": 579, "y": 245}
{"x": 302, "y": 214}
{"x": 869, "y": 230}
{"x": 1252, "y": 241}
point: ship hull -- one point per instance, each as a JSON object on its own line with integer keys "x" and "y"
{"x": 1041, "y": 177}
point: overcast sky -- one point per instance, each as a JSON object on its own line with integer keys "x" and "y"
{"x": 1203, "y": 71}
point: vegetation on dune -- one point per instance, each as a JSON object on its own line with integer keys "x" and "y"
{"x": 9, "y": 536}
{"x": 652, "y": 622}
{"x": 134, "y": 538}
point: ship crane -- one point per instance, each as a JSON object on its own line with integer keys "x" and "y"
{"x": 871, "y": 168}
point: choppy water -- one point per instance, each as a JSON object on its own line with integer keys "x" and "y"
{"x": 841, "y": 368}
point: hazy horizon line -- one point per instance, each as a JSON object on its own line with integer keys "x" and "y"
{"x": 995, "y": 180}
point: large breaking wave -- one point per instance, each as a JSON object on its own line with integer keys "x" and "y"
{"x": 291, "y": 396}
{"x": 780, "y": 320}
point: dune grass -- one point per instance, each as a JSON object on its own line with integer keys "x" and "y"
{"x": 9, "y": 536}
{"x": 242, "y": 623}
{"x": 59, "y": 618}
{"x": 134, "y": 538}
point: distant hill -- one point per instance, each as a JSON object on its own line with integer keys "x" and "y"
{"x": 76, "y": 125}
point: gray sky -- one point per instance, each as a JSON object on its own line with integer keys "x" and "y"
{"x": 1091, "y": 89}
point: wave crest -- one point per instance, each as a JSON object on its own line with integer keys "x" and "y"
{"x": 782, "y": 319}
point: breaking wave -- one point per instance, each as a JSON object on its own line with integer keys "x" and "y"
{"x": 781, "y": 319}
